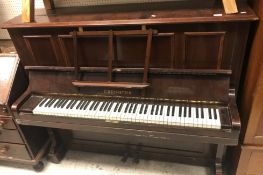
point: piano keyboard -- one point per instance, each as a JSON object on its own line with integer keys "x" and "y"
{"x": 134, "y": 112}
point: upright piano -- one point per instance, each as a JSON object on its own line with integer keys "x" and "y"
{"x": 152, "y": 81}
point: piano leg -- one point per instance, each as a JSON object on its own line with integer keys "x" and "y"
{"x": 57, "y": 148}
{"x": 126, "y": 153}
{"x": 136, "y": 154}
{"x": 220, "y": 154}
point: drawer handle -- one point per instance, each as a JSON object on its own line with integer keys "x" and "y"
{"x": 1, "y": 126}
{"x": 4, "y": 110}
{"x": 4, "y": 149}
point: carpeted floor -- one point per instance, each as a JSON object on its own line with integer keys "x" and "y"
{"x": 83, "y": 163}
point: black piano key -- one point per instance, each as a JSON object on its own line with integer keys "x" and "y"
{"x": 96, "y": 106}
{"x": 70, "y": 103}
{"x": 120, "y": 107}
{"x": 190, "y": 112}
{"x": 141, "y": 109}
{"x": 86, "y": 105}
{"x": 59, "y": 100}
{"x": 80, "y": 103}
{"x": 168, "y": 111}
{"x": 106, "y": 106}
{"x": 93, "y": 104}
{"x": 215, "y": 116}
{"x": 65, "y": 102}
{"x": 47, "y": 103}
{"x": 153, "y": 108}
{"x": 83, "y": 104}
{"x": 42, "y": 102}
{"x": 56, "y": 104}
{"x": 110, "y": 105}
{"x": 135, "y": 108}
{"x": 52, "y": 102}
{"x": 210, "y": 113}
{"x": 197, "y": 112}
{"x": 145, "y": 109}
{"x": 73, "y": 104}
{"x": 202, "y": 113}
{"x": 157, "y": 110}
{"x": 60, "y": 103}
{"x": 116, "y": 107}
{"x": 102, "y": 106}
{"x": 180, "y": 111}
{"x": 131, "y": 107}
{"x": 126, "y": 108}
{"x": 173, "y": 112}
{"x": 185, "y": 112}
{"x": 161, "y": 110}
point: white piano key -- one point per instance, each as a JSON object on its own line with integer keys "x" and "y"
{"x": 119, "y": 116}
{"x": 53, "y": 110}
{"x": 186, "y": 118}
{"x": 208, "y": 122}
{"x": 164, "y": 116}
{"x": 97, "y": 112}
{"x": 182, "y": 118}
{"x": 111, "y": 114}
{"x": 214, "y": 124}
{"x": 190, "y": 119}
{"x": 177, "y": 119}
{"x": 65, "y": 111}
{"x": 218, "y": 121}
{"x": 148, "y": 114}
{"x": 193, "y": 114}
{"x": 199, "y": 119}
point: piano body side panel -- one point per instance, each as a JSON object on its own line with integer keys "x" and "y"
{"x": 219, "y": 45}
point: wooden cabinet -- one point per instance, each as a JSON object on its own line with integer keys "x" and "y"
{"x": 251, "y": 108}
{"x": 251, "y": 160}
{"x": 18, "y": 144}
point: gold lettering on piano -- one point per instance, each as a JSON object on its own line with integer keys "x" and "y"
{"x": 117, "y": 92}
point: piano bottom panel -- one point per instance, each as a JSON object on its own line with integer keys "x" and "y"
{"x": 166, "y": 150}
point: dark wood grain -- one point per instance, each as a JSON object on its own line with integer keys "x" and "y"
{"x": 187, "y": 52}
{"x": 166, "y": 13}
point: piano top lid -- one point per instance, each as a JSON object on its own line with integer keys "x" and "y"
{"x": 133, "y": 14}
{"x": 8, "y": 66}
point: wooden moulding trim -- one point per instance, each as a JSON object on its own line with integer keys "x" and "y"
{"x": 115, "y": 33}
{"x": 154, "y": 34}
{"x": 126, "y": 85}
{"x": 220, "y": 34}
{"x": 135, "y": 70}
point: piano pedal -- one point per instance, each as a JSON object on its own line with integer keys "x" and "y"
{"x": 56, "y": 154}
{"x": 126, "y": 154}
{"x": 136, "y": 155}
{"x": 57, "y": 148}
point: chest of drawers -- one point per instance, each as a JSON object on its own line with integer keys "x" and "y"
{"x": 17, "y": 144}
